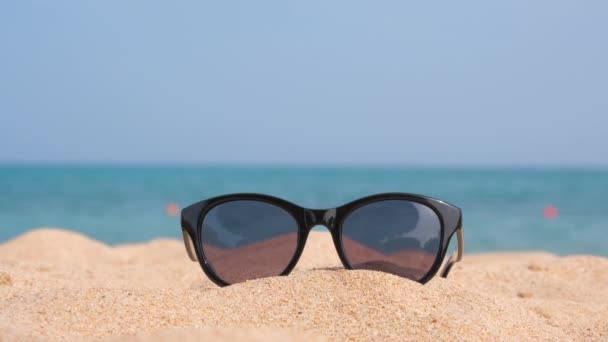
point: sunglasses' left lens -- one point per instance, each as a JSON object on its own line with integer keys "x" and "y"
{"x": 246, "y": 239}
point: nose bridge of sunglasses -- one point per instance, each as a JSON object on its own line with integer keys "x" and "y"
{"x": 323, "y": 217}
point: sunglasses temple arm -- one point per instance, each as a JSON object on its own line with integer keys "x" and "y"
{"x": 189, "y": 245}
{"x": 456, "y": 256}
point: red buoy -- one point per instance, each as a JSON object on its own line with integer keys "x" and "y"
{"x": 550, "y": 212}
{"x": 172, "y": 209}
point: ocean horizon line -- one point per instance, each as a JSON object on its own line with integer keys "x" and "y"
{"x": 318, "y": 166}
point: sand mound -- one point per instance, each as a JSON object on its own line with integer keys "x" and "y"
{"x": 164, "y": 251}
{"x": 156, "y": 293}
{"x": 55, "y": 246}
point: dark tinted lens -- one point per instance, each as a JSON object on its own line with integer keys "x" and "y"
{"x": 394, "y": 236}
{"x": 245, "y": 240}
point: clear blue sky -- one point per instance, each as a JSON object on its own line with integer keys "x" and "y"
{"x": 458, "y": 82}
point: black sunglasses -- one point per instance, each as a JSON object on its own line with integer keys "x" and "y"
{"x": 241, "y": 237}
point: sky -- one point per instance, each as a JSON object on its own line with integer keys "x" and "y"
{"x": 305, "y": 82}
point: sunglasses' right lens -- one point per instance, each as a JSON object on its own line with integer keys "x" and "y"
{"x": 395, "y": 236}
{"x": 245, "y": 239}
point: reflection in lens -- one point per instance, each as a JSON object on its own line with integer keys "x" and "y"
{"x": 395, "y": 236}
{"x": 246, "y": 239}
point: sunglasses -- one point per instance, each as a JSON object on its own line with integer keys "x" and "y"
{"x": 241, "y": 237}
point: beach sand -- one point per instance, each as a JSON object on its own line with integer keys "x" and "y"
{"x": 60, "y": 285}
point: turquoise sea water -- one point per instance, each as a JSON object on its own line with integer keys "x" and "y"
{"x": 503, "y": 209}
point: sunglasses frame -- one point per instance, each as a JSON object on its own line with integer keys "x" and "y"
{"x": 449, "y": 216}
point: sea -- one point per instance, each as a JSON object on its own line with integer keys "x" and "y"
{"x": 564, "y": 211}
